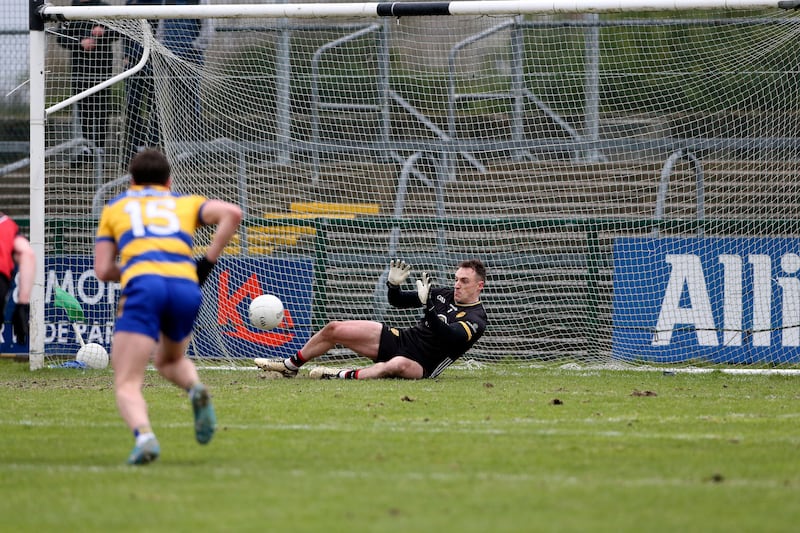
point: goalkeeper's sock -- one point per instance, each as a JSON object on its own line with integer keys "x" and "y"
{"x": 294, "y": 362}
{"x": 348, "y": 374}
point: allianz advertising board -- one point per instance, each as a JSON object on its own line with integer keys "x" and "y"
{"x": 720, "y": 300}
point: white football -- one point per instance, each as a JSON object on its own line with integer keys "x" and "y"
{"x": 93, "y": 355}
{"x": 266, "y": 311}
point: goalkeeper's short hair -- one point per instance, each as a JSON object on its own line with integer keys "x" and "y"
{"x": 476, "y": 265}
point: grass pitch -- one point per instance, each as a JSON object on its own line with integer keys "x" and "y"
{"x": 496, "y": 449}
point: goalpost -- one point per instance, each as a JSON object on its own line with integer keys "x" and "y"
{"x": 627, "y": 170}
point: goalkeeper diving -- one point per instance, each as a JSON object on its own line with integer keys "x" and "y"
{"x": 453, "y": 320}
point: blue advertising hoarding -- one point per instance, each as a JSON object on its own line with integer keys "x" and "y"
{"x": 74, "y": 274}
{"x": 227, "y": 296}
{"x": 722, "y": 300}
{"x": 223, "y": 327}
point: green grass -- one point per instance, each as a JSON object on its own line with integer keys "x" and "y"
{"x": 489, "y": 450}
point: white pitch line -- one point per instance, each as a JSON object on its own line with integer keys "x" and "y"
{"x": 467, "y": 367}
{"x": 538, "y": 477}
{"x": 515, "y": 428}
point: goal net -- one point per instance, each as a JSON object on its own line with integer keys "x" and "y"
{"x": 629, "y": 178}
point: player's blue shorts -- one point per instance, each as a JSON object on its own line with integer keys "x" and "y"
{"x": 156, "y": 304}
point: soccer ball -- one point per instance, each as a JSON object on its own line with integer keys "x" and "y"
{"x": 93, "y": 355}
{"x": 266, "y": 311}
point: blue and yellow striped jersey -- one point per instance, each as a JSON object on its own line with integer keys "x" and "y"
{"x": 153, "y": 229}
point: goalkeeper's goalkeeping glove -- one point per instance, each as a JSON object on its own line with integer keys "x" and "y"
{"x": 398, "y": 272}
{"x": 424, "y": 289}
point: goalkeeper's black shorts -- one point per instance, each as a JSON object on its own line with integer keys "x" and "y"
{"x": 396, "y": 342}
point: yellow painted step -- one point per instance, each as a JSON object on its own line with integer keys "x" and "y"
{"x": 230, "y": 249}
{"x": 334, "y": 208}
{"x": 237, "y": 250}
{"x": 283, "y": 230}
{"x": 306, "y": 216}
{"x": 234, "y": 247}
{"x": 277, "y": 235}
{"x": 261, "y": 250}
{"x": 255, "y": 238}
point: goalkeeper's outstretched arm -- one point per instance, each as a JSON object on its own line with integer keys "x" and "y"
{"x": 402, "y": 299}
{"x": 398, "y": 273}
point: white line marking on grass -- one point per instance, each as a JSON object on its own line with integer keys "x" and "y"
{"x": 467, "y": 368}
{"x": 539, "y": 478}
{"x": 79, "y": 469}
{"x": 550, "y": 479}
{"x": 574, "y": 367}
{"x": 515, "y": 427}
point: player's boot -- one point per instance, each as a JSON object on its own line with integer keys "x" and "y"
{"x": 323, "y": 372}
{"x": 205, "y": 421}
{"x": 144, "y": 453}
{"x": 274, "y": 365}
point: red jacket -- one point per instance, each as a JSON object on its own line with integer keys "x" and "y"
{"x": 8, "y": 232}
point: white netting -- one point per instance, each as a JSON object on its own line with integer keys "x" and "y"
{"x": 629, "y": 180}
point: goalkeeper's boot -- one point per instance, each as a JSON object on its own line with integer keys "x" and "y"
{"x": 275, "y": 365}
{"x": 322, "y": 372}
{"x": 205, "y": 421}
{"x": 144, "y": 453}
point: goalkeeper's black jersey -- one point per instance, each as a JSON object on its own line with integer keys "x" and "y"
{"x": 446, "y": 330}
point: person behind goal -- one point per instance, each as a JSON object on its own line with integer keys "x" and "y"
{"x": 452, "y": 322}
{"x": 17, "y": 254}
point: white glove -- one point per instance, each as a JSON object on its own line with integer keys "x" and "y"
{"x": 424, "y": 288}
{"x": 398, "y": 272}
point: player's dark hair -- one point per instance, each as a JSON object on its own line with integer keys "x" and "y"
{"x": 149, "y": 167}
{"x": 477, "y": 266}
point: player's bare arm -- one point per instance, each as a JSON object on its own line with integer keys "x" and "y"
{"x": 105, "y": 261}
{"x": 226, "y": 217}
{"x": 25, "y": 258}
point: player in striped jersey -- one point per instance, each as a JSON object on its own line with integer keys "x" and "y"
{"x": 453, "y": 320}
{"x": 151, "y": 230}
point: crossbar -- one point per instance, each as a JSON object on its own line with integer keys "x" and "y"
{"x": 394, "y": 9}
